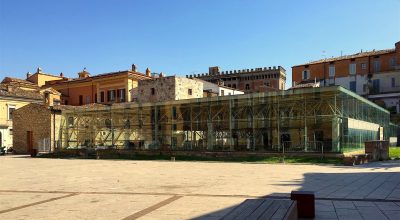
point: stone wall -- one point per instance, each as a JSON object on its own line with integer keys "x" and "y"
{"x": 168, "y": 88}
{"x": 35, "y": 118}
{"x": 182, "y": 86}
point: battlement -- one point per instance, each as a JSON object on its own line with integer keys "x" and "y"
{"x": 215, "y": 71}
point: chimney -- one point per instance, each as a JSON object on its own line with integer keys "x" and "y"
{"x": 148, "y": 72}
{"x": 28, "y": 74}
{"x": 61, "y": 74}
{"x": 39, "y": 70}
{"x": 397, "y": 46}
{"x": 162, "y": 74}
{"x": 134, "y": 68}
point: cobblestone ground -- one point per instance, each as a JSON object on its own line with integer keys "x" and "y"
{"x": 32, "y": 188}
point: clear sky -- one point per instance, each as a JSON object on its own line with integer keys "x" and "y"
{"x": 187, "y": 36}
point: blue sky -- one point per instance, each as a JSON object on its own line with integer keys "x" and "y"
{"x": 187, "y": 36}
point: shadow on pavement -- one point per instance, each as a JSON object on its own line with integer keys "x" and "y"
{"x": 360, "y": 186}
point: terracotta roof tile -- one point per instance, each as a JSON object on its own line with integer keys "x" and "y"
{"x": 356, "y": 55}
{"x": 14, "y": 91}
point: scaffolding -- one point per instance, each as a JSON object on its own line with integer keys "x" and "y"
{"x": 326, "y": 119}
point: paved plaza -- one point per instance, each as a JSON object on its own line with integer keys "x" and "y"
{"x": 33, "y": 188}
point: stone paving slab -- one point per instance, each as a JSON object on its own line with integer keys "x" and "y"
{"x": 116, "y": 189}
{"x": 87, "y": 207}
{"x": 10, "y": 200}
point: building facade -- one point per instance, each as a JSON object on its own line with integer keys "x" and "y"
{"x": 374, "y": 74}
{"x": 248, "y": 80}
{"x": 13, "y": 97}
{"x": 104, "y": 88}
{"x": 219, "y": 90}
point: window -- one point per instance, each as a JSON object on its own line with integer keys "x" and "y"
{"x": 95, "y": 98}
{"x": 153, "y": 91}
{"x": 331, "y": 71}
{"x": 174, "y": 115}
{"x": 70, "y": 121}
{"x": 121, "y": 95}
{"x": 222, "y": 92}
{"x": 306, "y": 74}
{"x": 353, "y": 86}
{"x": 377, "y": 65}
{"x": 111, "y": 95}
{"x": 352, "y": 69}
{"x": 392, "y": 62}
{"x": 127, "y": 124}
{"x": 190, "y": 92}
{"x": 234, "y": 86}
{"x": 11, "y": 109}
{"x": 375, "y": 86}
{"x": 363, "y": 66}
{"x": 247, "y": 87}
{"x": 80, "y": 100}
{"x": 365, "y": 86}
{"x": 107, "y": 123}
{"x": 10, "y": 131}
{"x": 66, "y": 102}
{"x": 102, "y": 96}
{"x": 393, "y": 82}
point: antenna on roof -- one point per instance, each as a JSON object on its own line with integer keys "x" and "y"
{"x": 341, "y": 53}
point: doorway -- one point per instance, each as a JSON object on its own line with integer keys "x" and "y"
{"x": 29, "y": 140}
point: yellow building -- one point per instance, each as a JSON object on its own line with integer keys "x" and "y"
{"x": 16, "y": 93}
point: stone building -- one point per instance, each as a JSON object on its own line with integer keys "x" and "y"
{"x": 248, "y": 80}
{"x": 14, "y": 94}
{"x": 167, "y": 89}
{"x": 36, "y": 126}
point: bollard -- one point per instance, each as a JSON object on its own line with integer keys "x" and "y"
{"x": 305, "y": 203}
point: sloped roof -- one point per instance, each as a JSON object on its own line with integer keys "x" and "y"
{"x": 17, "y": 92}
{"x": 352, "y": 56}
{"x": 19, "y": 82}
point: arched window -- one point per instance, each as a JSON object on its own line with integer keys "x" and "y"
{"x": 70, "y": 121}
{"x": 107, "y": 122}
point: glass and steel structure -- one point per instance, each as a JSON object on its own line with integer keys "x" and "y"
{"x": 328, "y": 119}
